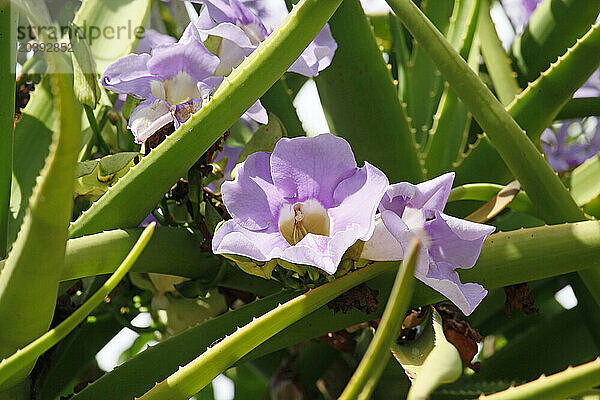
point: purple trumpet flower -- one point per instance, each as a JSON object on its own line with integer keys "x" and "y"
{"x": 306, "y": 203}
{"x": 448, "y": 243}
{"x": 240, "y": 31}
{"x": 174, "y": 81}
{"x": 563, "y": 154}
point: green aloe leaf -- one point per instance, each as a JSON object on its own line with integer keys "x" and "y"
{"x": 507, "y": 258}
{"x": 112, "y": 27}
{"x": 361, "y": 100}
{"x": 570, "y": 382}
{"x": 8, "y": 22}
{"x": 19, "y": 361}
{"x": 496, "y": 60}
{"x": 424, "y": 81}
{"x": 580, "y": 107}
{"x": 122, "y": 205}
{"x": 278, "y": 100}
{"x": 39, "y": 249}
{"x": 191, "y": 378}
{"x": 535, "y": 108}
{"x": 544, "y": 188}
{"x": 375, "y": 359}
{"x": 447, "y": 135}
{"x": 585, "y": 186}
{"x": 553, "y": 27}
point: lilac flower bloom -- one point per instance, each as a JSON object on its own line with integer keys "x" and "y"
{"x": 564, "y": 156}
{"x": 241, "y": 31}
{"x": 448, "y": 243}
{"x": 149, "y": 40}
{"x": 306, "y": 203}
{"x": 173, "y": 81}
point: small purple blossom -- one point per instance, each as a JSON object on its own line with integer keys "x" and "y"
{"x": 241, "y": 31}
{"x": 564, "y": 152}
{"x": 448, "y": 243}
{"x": 173, "y": 81}
{"x": 306, "y": 203}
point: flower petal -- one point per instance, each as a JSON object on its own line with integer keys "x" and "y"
{"x": 454, "y": 240}
{"x": 234, "y": 47}
{"x": 320, "y": 251}
{"x": 433, "y": 194}
{"x": 148, "y": 117}
{"x": 188, "y": 55}
{"x": 466, "y": 296}
{"x": 252, "y": 199}
{"x": 382, "y": 246}
{"x": 311, "y": 167}
{"x": 151, "y": 39}
{"x": 429, "y": 196}
{"x": 358, "y": 198}
{"x": 258, "y": 113}
{"x": 129, "y": 75}
{"x": 397, "y": 197}
{"x": 317, "y": 56}
{"x": 232, "y": 238}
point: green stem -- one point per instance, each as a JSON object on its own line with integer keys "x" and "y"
{"x": 191, "y": 378}
{"x": 580, "y": 107}
{"x": 567, "y": 383}
{"x": 8, "y": 22}
{"x": 22, "y": 358}
{"x": 549, "y": 196}
{"x": 373, "y": 362}
{"x": 102, "y": 146}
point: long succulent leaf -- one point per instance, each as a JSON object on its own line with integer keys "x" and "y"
{"x": 553, "y": 28}
{"x": 122, "y": 206}
{"x": 35, "y": 262}
{"x": 446, "y": 138}
{"x": 496, "y": 59}
{"x": 27, "y": 355}
{"x": 570, "y": 382}
{"x": 425, "y": 83}
{"x": 191, "y": 378}
{"x": 374, "y": 119}
{"x": 8, "y": 22}
{"x": 536, "y": 107}
{"x": 548, "y": 194}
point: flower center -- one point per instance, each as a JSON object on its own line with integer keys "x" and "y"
{"x": 176, "y": 90}
{"x": 300, "y": 219}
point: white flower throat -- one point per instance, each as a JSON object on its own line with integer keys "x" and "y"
{"x": 300, "y": 219}
{"x": 176, "y": 90}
